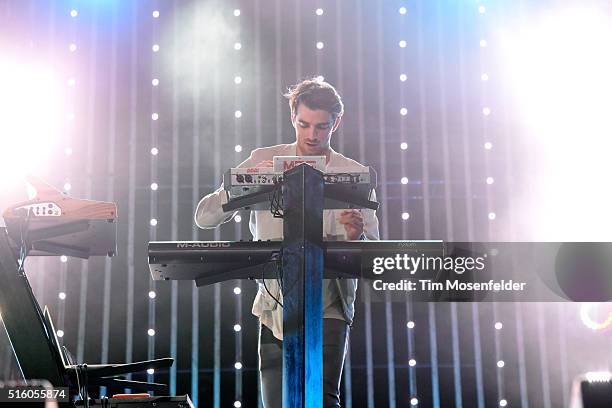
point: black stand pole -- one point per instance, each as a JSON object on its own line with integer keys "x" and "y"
{"x": 302, "y": 288}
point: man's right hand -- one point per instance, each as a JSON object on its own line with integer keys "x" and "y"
{"x": 265, "y": 163}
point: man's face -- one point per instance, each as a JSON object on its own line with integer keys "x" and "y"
{"x": 313, "y": 130}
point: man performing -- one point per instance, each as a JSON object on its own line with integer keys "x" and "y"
{"x": 316, "y": 112}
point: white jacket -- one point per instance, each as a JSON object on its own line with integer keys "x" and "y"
{"x": 264, "y": 226}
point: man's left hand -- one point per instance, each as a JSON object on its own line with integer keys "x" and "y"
{"x": 353, "y": 223}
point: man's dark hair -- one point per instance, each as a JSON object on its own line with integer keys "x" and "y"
{"x": 315, "y": 94}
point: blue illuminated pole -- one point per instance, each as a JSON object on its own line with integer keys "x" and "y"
{"x": 302, "y": 283}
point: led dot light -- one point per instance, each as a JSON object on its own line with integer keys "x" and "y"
{"x": 236, "y": 12}
{"x": 153, "y": 222}
{"x": 67, "y": 186}
{"x": 71, "y": 82}
{"x": 403, "y": 44}
{"x": 151, "y": 332}
{"x": 403, "y": 77}
{"x": 319, "y": 12}
{"x": 492, "y": 216}
{"x": 238, "y": 148}
{"x": 68, "y": 151}
{"x": 155, "y": 47}
{"x": 152, "y": 294}
{"x": 237, "y": 404}
{"x": 237, "y": 46}
{"x": 237, "y": 80}
{"x": 238, "y": 365}
{"x": 155, "y": 13}
{"x": 410, "y": 324}
{"x": 237, "y": 114}
{"x": 155, "y": 82}
{"x": 154, "y": 116}
{"x": 237, "y": 218}
{"x": 237, "y": 290}
{"x": 61, "y": 295}
{"x": 412, "y": 362}
{"x": 320, "y": 45}
{"x": 503, "y": 403}
{"x": 490, "y": 180}
{"x": 486, "y": 111}
{"x": 60, "y": 333}
{"x": 403, "y": 145}
{"x": 402, "y": 10}
{"x": 405, "y": 216}
{"x": 404, "y": 180}
{"x": 484, "y": 77}
{"x": 403, "y": 111}
{"x": 72, "y": 47}
{"x": 64, "y": 258}
{"x": 488, "y": 145}
{"x": 483, "y": 43}
{"x": 73, "y": 13}
{"x": 237, "y": 328}
{"x": 501, "y": 363}
{"x": 150, "y": 371}
{"x": 154, "y": 151}
{"x": 414, "y": 401}
{"x": 498, "y": 326}
{"x": 320, "y": 78}
{"x": 154, "y": 186}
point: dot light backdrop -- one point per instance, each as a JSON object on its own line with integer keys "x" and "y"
{"x": 484, "y": 120}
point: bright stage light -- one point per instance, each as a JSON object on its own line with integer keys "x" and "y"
{"x": 558, "y": 67}
{"x": 32, "y": 108}
{"x": 598, "y": 376}
{"x": 237, "y": 404}
{"x": 595, "y": 316}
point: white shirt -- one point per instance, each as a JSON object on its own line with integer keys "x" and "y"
{"x": 264, "y": 226}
